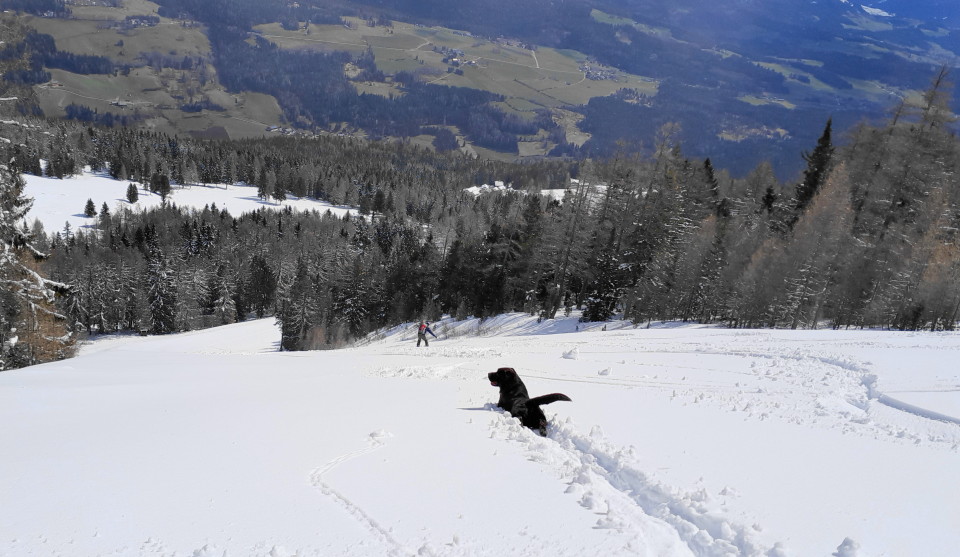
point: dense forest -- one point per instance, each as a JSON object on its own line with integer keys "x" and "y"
{"x": 42, "y": 53}
{"x": 867, "y": 238}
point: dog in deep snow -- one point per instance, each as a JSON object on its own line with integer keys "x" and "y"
{"x": 515, "y": 400}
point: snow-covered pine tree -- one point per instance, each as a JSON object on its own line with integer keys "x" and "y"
{"x": 132, "y": 194}
{"x": 297, "y": 310}
{"x": 194, "y": 311}
{"x": 238, "y": 296}
{"x": 218, "y": 301}
{"x": 355, "y": 291}
{"x": 260, "y": 286}
{"x": 605, "y": 290}
{"x": 31, "y": 330}
{"x": 224, "y": 307}
{"x": 106, "y": 219}
{"x": 61, "y": 161}
{"x": 129, "y": 298}
{"x": 92, "y": 296}
{"x": 162, "y": 294}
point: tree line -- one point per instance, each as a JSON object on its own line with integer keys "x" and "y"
{"x": 867, "y": 237}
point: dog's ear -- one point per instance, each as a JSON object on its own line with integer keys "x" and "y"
{"x": 506, "y": 371}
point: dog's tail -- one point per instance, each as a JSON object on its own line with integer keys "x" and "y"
{"x": 547, "y": 399}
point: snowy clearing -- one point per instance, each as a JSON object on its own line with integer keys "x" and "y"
{"x": 680, "y": 440}
{"x": 59, "y": 201}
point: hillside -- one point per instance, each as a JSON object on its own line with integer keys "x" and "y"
{"x": 59, "y": 202}
{"x": 680, "y": 440}
{"x": 867, "y": 239}
{"x": 502, "y": 79}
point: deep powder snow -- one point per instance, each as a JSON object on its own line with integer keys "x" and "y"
{"x": 680, "y": 440}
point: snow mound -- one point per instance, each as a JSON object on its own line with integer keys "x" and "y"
{"x": 848, "y": 548}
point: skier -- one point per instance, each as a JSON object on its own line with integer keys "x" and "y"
{"x": 422, "y": 331}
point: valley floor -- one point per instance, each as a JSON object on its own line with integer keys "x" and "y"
{"x": 679, "y": 440}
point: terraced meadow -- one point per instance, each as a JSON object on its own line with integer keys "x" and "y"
{"x": 530, "y": 77}
{"x": 149, "y": 93}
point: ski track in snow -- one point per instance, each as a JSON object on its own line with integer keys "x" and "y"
{"x": 826, "y": 388}
{"x": 806, "y": 382}
{"x": 845, "y": 396}
{"x": 608, "y": 481}
{"x": 870, "y": 383}
{"x": 392, "y": 547}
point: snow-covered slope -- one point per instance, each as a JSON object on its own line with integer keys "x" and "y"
{"x": 679, "y": 440}
{"x": 57, "y": 202}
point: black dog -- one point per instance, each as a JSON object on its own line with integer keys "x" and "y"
{"x": 515, "y": 400}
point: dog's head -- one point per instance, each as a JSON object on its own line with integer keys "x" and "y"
{"x": 504, "y": 377}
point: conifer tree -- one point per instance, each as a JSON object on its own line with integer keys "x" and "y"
{"x": 297, "y": 309}
{"x": 219, "y": 302}
{"x": 605, "y": 288}
{"x": 31, "y": 330}
{"x": 105, "y": 220}
{"x": 815, "y": 254}
{"x": 129, "y": 298}
{"x": 260, "y": 286}
{"x": 713, "y": 185}
{"x": 936, "y": 112}
{"x": 818, "y": 166}
{"x": 161, "y": 294}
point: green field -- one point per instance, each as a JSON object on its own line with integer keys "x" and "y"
{"x": 871, "y": 91}
{"x": 154, "y": 95}
{"x": 569, "y": 120}
{"x": 104, "y": 13}
{"x": 530, "y": 80}
{"x": 864, "y": 23}
{"x": 790, "y": 72}
{"x": 81, "y": 36}
{"x": 761, "y": 101}
{"x": 615, "y": 20}
{"x": 142, "y": 92}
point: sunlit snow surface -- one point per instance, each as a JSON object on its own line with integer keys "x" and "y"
{"x": 876, "y": 12}
{"x": 57, "y": 202}
{"x": 679, "y": 440}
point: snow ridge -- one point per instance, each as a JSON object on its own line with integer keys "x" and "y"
{"x": 608, "y": 480}
{"x": 870, "y": 382}
{"x": 706, "y": 534}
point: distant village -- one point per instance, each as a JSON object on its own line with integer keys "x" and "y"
{"x": 598, "y": 72}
